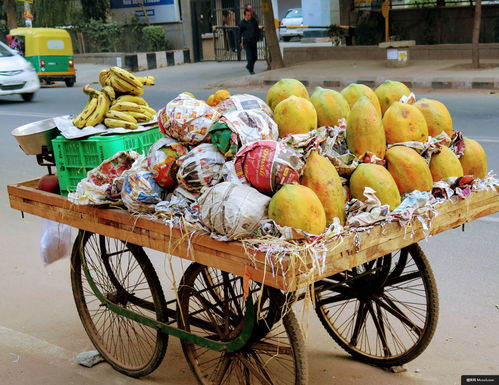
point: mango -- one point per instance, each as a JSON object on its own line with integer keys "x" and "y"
{"x": 295, "y": 115}
{"x": 283, "y": 89}
{"x": 409, "y": 169}
{"x": 390, "y": 91}
{"x": 354, "y": 91}
{"x": 474, "y": 160}
{"x": 365, "y": 130}
{"x": 298, "y": 206}
{"x": 437, "y": 116}
{"x": 330, "y": 106}
{"x": 321, "y": 176}
{"x": 379, "y": 179}
{"x": 445, "y": 164}
{"x": 404, "y": 123}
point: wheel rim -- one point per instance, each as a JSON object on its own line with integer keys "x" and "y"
{"x": 383, "y": 311}
{"x": 216, "y": 298}
{"x": 118, "y": 271}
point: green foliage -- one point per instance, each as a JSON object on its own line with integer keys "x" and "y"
{"x": 496, "y": 29}
{"x": 155, "y": 38}
{"x": 94, "y": 9}
{"x": 51, "y": 13}
{"x": 101, "y": 36}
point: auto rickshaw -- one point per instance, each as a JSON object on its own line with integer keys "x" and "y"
{"x": 50, "y": 51}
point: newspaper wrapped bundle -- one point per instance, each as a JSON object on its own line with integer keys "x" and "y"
{"x": 140, "y": 191}
{"x": 103, "y": 184}
{"x": 187, "y": 119}
{"x": 239, "y": 128}
{"x": 162, "y": 161}
{"x": 233, "y": 210}
{"x": 267, "y": 165}
{"x": 243, "y": 102}
{"x": 201, "y": 167}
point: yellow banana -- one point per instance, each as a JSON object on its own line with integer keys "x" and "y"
{"x": 148, "y": 110}
{"x": 131, "y": 99}
{"x": 113, "y": 123}
{"x": 139, "y": 117}
{"x": 100, "y": 111}
{"x": 126, "y": 106}
{"x": 120, "y": 85}
{"x": 109, "y": 91}
{"x": 147, "y": 80}
{"x": 104, "y": 77}
{"x": 137, "y": 91}
{"x": 127, "y": 76}
{"x": 120, "y": 115}
{"x": 81, "y": 120}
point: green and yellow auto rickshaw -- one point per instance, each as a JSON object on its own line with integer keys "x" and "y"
{"x": 50, "y": 51}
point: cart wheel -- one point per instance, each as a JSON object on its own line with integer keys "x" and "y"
{"x": 211, "y": 305}
{"x": 124, "y": 275}
{"x": 383, "y": 312}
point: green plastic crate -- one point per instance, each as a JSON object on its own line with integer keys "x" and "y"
{"x": 74, "y": 157}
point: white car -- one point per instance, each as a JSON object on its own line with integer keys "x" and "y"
{"x": 293, "y": 18}
{"x": 17, "y": 75}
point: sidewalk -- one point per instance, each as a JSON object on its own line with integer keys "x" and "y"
{"x": 441, "y": 74}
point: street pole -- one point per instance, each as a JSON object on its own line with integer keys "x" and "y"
{"x": 475, "y": 47}
{"x": 385, "y": 11}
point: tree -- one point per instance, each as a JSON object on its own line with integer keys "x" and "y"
{"x": 53, "y": 13}
{"x": 275, "y": 57}
{"x": 10, "y": 8}
{"x": 95, "y": 9}
{"x": 475, "y": 48}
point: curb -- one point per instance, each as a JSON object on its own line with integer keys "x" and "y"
{"x": 152, "y": 60}
{"x": 435, "y": 83}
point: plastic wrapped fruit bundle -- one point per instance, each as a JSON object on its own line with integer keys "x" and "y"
{"x": 233, "y": 210}
{"x": 267, "y": 165}
{"x": 238, "y": 128}
{"x": 162, "y": 161}
{"x": 243, "y": 102}
{"x": 187, "y": 119}
{"x": 201, "y": 167}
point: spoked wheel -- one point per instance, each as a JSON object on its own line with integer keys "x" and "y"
{"x": 383, "y": 312}
{"x": 124, "y": 275}
{"x": 211, "y": 305}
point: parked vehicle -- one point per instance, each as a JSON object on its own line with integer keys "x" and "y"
{"x": 50, "y": 51}
{"x": 293, "y": 18}
{"x": 17, "y": 76}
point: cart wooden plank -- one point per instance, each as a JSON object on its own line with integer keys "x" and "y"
{"x": 230, "y": 256}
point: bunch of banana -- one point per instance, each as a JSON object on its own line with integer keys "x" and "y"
{"x": 126, "y": 112}
{"x": 97, "y": 105}
{"x": 125, "y": 82}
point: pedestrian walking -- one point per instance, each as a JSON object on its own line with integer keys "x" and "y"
{"x": 250, "y": 34}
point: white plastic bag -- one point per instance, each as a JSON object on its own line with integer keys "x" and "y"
{"x": 56, "y": 241}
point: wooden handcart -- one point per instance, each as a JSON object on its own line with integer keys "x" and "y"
{"x": 375, "y": 295}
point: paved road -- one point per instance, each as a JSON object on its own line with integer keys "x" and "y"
{"x": 40, "y": 331}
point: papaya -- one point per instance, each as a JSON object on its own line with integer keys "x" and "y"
{"x": 330, "y": 106}
{"x": 474, "y": 160}
{"x": 365, "y": 130}
{"x": 298, "y": 206}
{"x": 437, "y": 116}
{"x": 409, "y": 169}
{"x": 295, "y": 115}
{"x": 404, "y": 123}
{"x": 321, "y": 176}
{"x": 445, "y": 164}
{"x": 283, "y": 89}
{"x": 354, "y": 91}
{"x": 379, "y": 179}
{"x": 390, "y": 91}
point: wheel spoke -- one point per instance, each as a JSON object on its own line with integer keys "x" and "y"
{"x": 390, "y": 306}
{"x": 359, "y": 323}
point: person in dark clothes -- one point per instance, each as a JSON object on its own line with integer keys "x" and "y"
{"x": 250, "y": 34}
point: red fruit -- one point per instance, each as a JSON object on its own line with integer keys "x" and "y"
{"x": 49, "y": 183}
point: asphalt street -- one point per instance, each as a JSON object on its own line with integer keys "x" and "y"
{"x": 40, "y": 331}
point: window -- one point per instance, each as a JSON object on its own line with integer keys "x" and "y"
{"x": 4, "y": 52}
{"x": 293, "y": 13}
{"x": 55, "y": 44}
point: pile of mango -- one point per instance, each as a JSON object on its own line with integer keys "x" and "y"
{"x": 376, "y": 120}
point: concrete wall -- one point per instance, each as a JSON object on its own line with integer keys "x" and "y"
{"x": 294, "y": 55}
